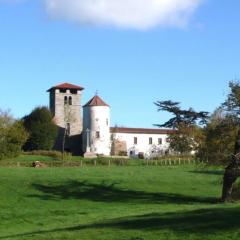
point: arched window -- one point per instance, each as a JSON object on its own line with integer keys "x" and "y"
{"x": 68, "y": 129}
{"x": 97, "y": 134}
{"x": 65, "y": 100}
{"x": 70, "y": 101}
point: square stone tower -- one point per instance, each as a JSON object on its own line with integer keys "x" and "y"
{"x": 65, "y": 105}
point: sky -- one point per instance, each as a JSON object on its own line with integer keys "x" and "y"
{"x": 133, "y": 52}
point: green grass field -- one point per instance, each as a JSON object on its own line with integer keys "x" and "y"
{"x": 120, "y": 203}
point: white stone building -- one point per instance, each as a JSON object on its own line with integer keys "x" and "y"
{"x": 93, "y": 134}
{"x": 143, "y": 141}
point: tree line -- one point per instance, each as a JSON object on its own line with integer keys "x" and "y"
{"x": 211, "y": 137}
{"x": 35, "y": 131}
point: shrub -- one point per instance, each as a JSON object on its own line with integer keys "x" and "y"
{"x": 42, "y": 130}
{"x": 12, "y": 136}
{"x": 123, "y": 153}
{"x": 53, "y": 154}
{"x": 141, "y": 155}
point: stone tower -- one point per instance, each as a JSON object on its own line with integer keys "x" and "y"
{"x": 65, "y": 105}
{"x": 96, "y": 127}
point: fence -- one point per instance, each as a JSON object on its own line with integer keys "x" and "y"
{"x": 104, "y": 162}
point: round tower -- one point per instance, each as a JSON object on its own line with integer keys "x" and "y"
{"x": 96, "y": 127}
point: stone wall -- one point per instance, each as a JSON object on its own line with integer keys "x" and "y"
{"x": 119, "y": 148}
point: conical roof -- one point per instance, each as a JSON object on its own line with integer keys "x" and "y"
{"x": 96, "y": 101}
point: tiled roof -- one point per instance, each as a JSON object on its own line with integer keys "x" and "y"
{"x": 66, "y": 86}
{"x": 141, "y": 130}
{"x": 95, "y": 101}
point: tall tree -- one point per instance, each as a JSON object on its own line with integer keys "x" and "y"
{"x": 42, "y": 130}
{"x": 232, "y": 171}
{"x": 232, "y": 103}
{"x": 180, "y": 116}
{"x": 186, "y": 122}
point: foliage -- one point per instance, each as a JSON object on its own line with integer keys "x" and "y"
{"x": 53, "y": 154}
{"x": 222, "y": 129}
{"x": 42, "y": 130}
{"x": 185, "y": 117}
{"x": 12, "y": 136}
{"x": 187, "y": 139}
{"x": 220, "y": 138}
{"x": 188, "y": 136}
{"x": 232, "y": 103}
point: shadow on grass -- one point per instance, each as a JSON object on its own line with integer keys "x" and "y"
{"x": 111, "y": 193}
{"x": 200, "y": 222}
{"x": 210, "y": 172}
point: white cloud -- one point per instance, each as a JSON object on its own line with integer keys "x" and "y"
{"x": 136, "y": 14}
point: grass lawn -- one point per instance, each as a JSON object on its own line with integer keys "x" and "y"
{"x": 120, "y": 203}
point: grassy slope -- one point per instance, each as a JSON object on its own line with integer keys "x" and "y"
{"x": 120, "y": 203}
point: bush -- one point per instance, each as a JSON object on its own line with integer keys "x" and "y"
{"x": 123, "y": 153}
{"x": 42, "y": 130}
{"x": 54, "y": 154}
{"x": 141, "y": 155}
{"x": 12, "y": 136}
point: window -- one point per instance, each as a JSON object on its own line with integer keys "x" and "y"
{"x": 168, "y": 140}
{"x": 97, "y": 134}
{"x": 150, "y": 141}
{"x": 68, "y": 129}
{"x": 160, "y": 141}
{"x": 65, "y": 100}
{"x": 135, "y": 140}
{"x": 70, "y": 100}
{"x": 73, "y": 91}
{"x": 107, "y": 122}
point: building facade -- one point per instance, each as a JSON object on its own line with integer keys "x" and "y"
{"x": 142, "y": 141}
{"x": 91, "y": 133}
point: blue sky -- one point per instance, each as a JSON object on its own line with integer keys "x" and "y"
{"x": 131, "y": 66}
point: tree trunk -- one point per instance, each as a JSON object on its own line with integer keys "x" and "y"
{"x": 63, "y": 142}
{"x": 228, "y": 181}
{"x": 232, "y": 172}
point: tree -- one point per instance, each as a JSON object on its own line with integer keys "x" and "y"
{"x": 12, "y": 135}
{"x": 232, "y": 103}
{"x": 222, "y": 129}
{"x": 232, "y": 172}
{"x": 188, "y": 135}
{"x": 219, "y": 138}
{"x": 42, "y": 130}
{"x": 187, "y": 139}
{"x": 186, "y": 117}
